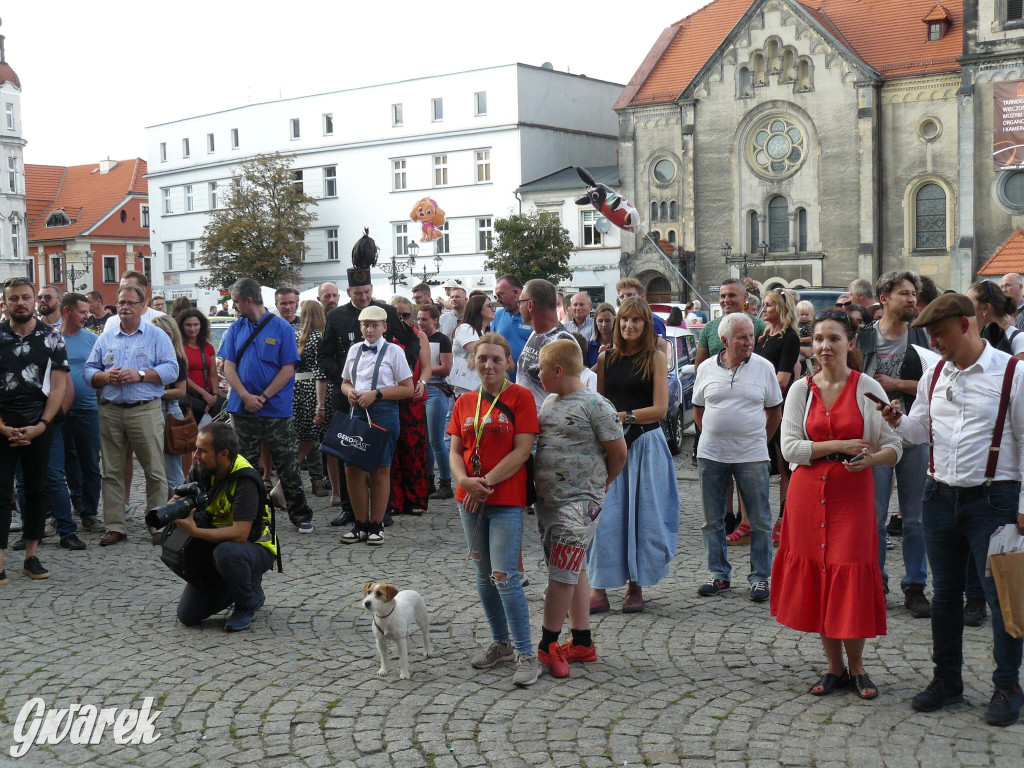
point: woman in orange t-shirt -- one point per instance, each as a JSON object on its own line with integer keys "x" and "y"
{"x": 492, "y": 431}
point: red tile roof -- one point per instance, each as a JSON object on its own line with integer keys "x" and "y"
{"x": 81, "y": 191}
{"x": 8, "y": 75}
{"x": 1009, "y": 257}
{"x": 888, "y": 35}
{"x": 938, "y": 13}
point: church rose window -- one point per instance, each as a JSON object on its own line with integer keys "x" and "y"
{"x": 777, "y": 147}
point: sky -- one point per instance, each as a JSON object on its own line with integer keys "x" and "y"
{"x": 94, "y": 75}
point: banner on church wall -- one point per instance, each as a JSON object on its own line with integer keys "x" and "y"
{"x": 1008, "y": 124}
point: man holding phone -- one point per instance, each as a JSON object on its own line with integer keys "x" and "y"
{"x": 889, "y": 356}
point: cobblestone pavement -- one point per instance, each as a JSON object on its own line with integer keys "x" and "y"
{"x": 691, "y": 681}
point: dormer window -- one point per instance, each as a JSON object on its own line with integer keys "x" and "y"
{"x": 937, "y": 22}
{"x": 58, "y": 219}
{"x": 935, "y": 31}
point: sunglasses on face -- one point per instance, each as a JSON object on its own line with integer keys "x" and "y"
{"x": 405, "y": 315}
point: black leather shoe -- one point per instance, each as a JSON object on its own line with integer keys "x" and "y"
{"x": 938, "y": 694}
{"x": 388, "y": 520}
{"x": 974, "y": 612}
{"x": 345, "y": 518}
{"x": 72, "y": 542}
{"x": 19, "y": 545}
{"x": 1004, "y": 709}
{"x": 34, "y": 569}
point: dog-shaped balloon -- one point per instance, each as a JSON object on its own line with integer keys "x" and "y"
{"x": 430, "y": 217}
{"x": 617, "y": 209}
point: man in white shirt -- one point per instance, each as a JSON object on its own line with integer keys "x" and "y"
{"x": 737, "y": 404}
{"x": 451, "y": 320}
{"x": 971, "y": 490}
{"x": 581, "y": 321}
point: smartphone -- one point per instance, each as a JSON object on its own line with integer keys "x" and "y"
{"x": 876, "y": 399}
{"x": 858, "y": 457}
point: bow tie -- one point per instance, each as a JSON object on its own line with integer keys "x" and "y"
{"x": 369, "y": 348}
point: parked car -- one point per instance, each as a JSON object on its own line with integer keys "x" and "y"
{"x": 821, "y": 298}
{"x": 218, "y": 327}
{"x": 682, "y": 354}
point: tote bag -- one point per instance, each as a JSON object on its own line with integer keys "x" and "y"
{"x": 354, "y": 441}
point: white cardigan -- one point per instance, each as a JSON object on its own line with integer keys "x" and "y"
{"x": 796, "y": 446}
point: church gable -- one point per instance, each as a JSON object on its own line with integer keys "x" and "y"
{"x": 778, "y": 49}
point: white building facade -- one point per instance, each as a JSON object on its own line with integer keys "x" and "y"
{"x": 13, "y": 217}
{"x": 467, "y": 140}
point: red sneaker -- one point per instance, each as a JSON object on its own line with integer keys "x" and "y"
{"x": 575, "y": 653}
{"x": 777, "y": 533}
{"x": 554, "y": 660}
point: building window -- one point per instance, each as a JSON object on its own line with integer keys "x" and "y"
{"x": 12, "y": 174}
{"x": 440, "y": 170}
{"x": 437, "y": 110}
{"x": 480, "y": 103}
{"x": 483, "y": 165}
{"x": 110, "y": 269}
{"x": 672, "y": 236}
{"x": 443, "y": 244}
{"x": 234, "y": 138}
{"x": 330, "y": 181}
{"x": 591, "y": 235}
{"x": 295, "y": 131}
{"x": 147, "y": 268}
{"x": 188, "y": 197}
{"x": 484, "y": 233}
{"x": 163, "y": 151}
{"x": 778, "y": 224}
{"x": 190, "y": 252}
{"x": 332, "y": 244}
{"x": 776, "y": 148}
{"x": 213, "y": 195}
{"x": 1010, "y": 191}
{"x": 673, "y": 210}
{"x": 210, "y": 143}
{"x": 9, "y": 111}
{"x": 58, "y": 219}
{"x": 297, "y": 180}
{"x": 801, "y": 230}
{"x": 328, "y": 124}
{"x": 401, "y": 239}
{"x": 664, "y": 209}
{"x": 55, "y": 271}
{"x": 167, "y": 200}
{"x": 753, "y": 231}
{"x": 15, "y": 241}
{"x": 185, "y": 149}
{"x": 396, "y": 115}
{"x": 399, "y": 174}
{"x": 930, "y": 217}
{"x": 169, "y": 256}
{"x": 144, "y": 216}
{"x": 935, "y": 31}
{"x": 1014, "y": 10}
{"x": 654, "y": 211}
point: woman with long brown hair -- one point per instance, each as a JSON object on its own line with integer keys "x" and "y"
{"x": 639, "y": 525}
{"x": 309, "y": 402}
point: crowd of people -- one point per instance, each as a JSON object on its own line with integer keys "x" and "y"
{"x": 526, "y": 402}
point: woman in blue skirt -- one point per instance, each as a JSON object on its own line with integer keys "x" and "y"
{"x": 639, "y": 525}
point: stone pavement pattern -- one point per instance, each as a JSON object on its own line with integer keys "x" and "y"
{"x": 692, "y": 681}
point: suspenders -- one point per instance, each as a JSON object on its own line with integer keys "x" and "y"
{"x": 997, "y": 432}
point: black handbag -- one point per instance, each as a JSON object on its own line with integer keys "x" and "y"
{"x": 356, "y": 442}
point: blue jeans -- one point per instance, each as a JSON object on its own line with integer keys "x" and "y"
{"x": 911, "y": 471}
{"x": 494, "y": 535}
{"x": 437, "y": 409}
{"x": 58, "y": 501}
{"x": 172, "y": 462}
{"x": 752, "y": 481}
{"x": 958, "y": 522}
{"x": 82, "y": 460}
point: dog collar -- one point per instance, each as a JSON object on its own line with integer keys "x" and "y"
{"x": 377, "y": 626}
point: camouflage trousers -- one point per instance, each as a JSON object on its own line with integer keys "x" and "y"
{"x": 252, "y": 430}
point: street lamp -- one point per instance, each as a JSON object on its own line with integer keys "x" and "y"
{"x": 73, "y": 273}
{"x": 396, "y": 269}
{"x": 746, "y": 260}
{"x": 426, "y": 274}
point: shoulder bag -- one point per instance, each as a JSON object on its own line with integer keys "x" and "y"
{"x": 356, "y": 442}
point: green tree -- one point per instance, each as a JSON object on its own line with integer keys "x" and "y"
{"x": 260, "y": 231}
{"x": 530, "y": 245}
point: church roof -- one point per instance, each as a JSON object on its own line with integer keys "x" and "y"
{"x": 887, "y": 35}
{"x": 85, "y": 195}
{"x": 1009, "y": 257}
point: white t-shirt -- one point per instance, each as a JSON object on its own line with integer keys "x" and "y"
{"x": 1016, "y": 338}
{"x": 589, "y": 379}
{"x": 114, "y": 322}
{"x": 734, "y": 403}
{"x": 464, "y": 335}
{"x": 393, "y": 367}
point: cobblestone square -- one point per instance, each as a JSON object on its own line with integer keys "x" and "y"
{"x": 691, "y": 681}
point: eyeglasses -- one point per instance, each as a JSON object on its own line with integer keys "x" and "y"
{"x": 520, "y": 301}
{"x": 950, "y": 392}
{"x": 128, "y": 303}
{"x": 843, "y": 304}
{"x": 405, "y": 315}
{"x": 839, "y": 317}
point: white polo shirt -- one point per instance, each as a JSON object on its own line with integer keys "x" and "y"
{"x": 393, "y": 367}
{"x": 734, "y": 403}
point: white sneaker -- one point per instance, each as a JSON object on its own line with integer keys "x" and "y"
{"x": 305, "y": 527}
{"x": 16, "y": 522}
{"x": 528, "y": 669}
{"x": 50, "y": 529}
{"x": 375, "y": 536}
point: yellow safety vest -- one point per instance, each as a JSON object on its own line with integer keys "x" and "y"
{"x": 220, "y": 509}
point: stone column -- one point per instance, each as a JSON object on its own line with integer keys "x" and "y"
{"x": 961, "y": 268}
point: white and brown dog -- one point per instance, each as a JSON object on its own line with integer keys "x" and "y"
{"x": 394, "y": 614}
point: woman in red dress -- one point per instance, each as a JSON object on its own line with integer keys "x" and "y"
{"x": 826, "y": 578}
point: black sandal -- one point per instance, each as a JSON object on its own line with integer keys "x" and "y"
{"x": 862, "y": 683}
{"x": 829, "y": 683}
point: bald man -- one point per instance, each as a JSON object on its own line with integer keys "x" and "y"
{"x": 1013, "y": 286}
{"x": 329, "y": 296}
{"x": 580, "y": 320}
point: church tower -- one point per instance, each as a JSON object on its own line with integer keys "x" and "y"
{"x": 13, "y": 223}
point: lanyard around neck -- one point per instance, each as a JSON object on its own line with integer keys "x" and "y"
{"x": 478, "y": 426}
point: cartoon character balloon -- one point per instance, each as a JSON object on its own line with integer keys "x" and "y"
{"x": 617, "y": 209}
{"x": 430, "y": 217}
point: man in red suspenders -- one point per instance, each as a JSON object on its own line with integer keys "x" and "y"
{"x": 970, "y": 408}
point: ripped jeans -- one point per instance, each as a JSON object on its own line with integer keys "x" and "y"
{"x": 498, "y": 532}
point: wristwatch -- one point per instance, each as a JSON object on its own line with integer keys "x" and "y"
{"x": 142, "y": 375}
{"x": 629, "y": 418}
{"x": 380, "y": 395}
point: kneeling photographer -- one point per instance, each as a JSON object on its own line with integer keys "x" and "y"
{"x": 230, "y": 493}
